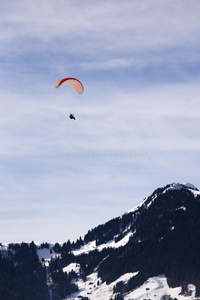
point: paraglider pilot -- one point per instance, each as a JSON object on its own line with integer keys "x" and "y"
{"x": 72, "y": 117}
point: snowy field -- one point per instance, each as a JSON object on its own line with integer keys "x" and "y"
{"x": 153, "y": 288}
{"x": 95, "y": 290}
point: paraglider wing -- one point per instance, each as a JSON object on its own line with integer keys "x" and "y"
{"x": 73, "y": 82}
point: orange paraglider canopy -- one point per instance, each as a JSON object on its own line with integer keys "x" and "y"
{"x": 73, "y": 82}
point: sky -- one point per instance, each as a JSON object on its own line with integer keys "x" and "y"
{"x": 137, "y": 122}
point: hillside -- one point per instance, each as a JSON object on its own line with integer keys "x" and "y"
{"x": 151, "y": 251}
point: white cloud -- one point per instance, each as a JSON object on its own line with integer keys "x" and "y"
{"x": 101, "y": 28}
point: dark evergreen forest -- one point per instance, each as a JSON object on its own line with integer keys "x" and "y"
{"x": 22, "y": 276}
{"x": 165, "y": 240}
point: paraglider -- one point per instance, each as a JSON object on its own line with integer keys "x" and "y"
{"x": 71, "y": 116}
{"x": 75, "y": 84}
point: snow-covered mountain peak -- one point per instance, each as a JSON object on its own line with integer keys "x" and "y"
{"x": 170, "y": 187}
{"x": 173, "y": 186}
{"x": 190, "y": 186}
{"x": 178, "y": 186}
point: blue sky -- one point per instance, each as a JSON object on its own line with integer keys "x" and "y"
{"x": 138, "y": 119}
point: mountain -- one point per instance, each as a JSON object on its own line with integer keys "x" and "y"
{"x": 152, "y": 251}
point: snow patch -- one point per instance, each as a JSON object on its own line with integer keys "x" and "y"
{"x": 190, "y": 186}
{"x": 135, "y": 208}
{"x": 156, "y": 287}
{"x": 92, "y": 245}
{"x": 45, "y": 255}
{"x": 173, "y": 186}
{"x": 85, "y": 249}
{"x": 118, "y": 244}
{"x": 181, "y": 208}
{"x": 152, "y": 200}
{"x": 72, "y": 267}
{"x": 178, "y": 186}
{"x": 193, "y": 189}
{"x": 195, "y": 193}
{"x": 95, "y": 290}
